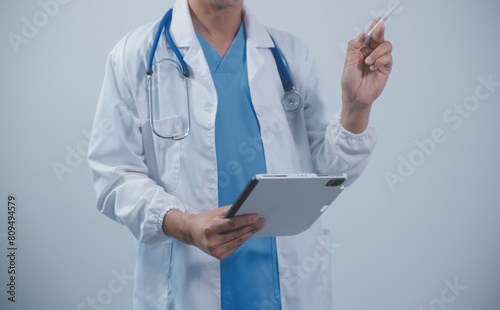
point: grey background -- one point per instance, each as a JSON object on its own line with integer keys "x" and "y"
{"x": 395, "y": 248}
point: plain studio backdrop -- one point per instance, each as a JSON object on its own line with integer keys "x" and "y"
{"x": 419, "y": 230}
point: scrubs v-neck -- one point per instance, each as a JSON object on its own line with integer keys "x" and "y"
{"x": 249, "y": 276}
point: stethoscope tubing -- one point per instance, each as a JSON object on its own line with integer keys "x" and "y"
{"x": 149, "y": 81}
{"x": 291, "y": 99}
{"x": 286, "y": 80}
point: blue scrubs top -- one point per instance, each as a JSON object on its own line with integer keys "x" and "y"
{"x": 249, "y": 276}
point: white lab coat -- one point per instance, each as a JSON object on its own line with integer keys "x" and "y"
{"x": 139, "y": 177}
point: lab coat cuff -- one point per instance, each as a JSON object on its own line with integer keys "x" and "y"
{"x": 366, "y": 134}
{"x": 161, "y": 217}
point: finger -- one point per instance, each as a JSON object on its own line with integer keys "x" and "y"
{"x": 384, "y": 61}
{"x": 225, "y": 208}
{"x": 229, "y": 224}
{"x": 225, "y": 249}
{"x": 353, "y": 46}
{"x": 262, "y": 223}
{"x": 222, "y": 211}
{"x": 374, "y": 22}
{"x": 378, "y": 36}
{"x": 237, "y": 233}
{"x": 218, "y": 213}
{"x": 228, "y": 248}
{"x": 382, "y": 49}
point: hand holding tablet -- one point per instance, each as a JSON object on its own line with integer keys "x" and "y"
{"x": 290, "y": 203}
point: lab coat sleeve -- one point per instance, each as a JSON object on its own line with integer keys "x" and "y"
{"x": 125, "y": 192}
{"x": 333, "y": 148}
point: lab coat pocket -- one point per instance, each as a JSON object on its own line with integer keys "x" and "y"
{"x": 152, "y": 274}
{"x": 168, "y": 151}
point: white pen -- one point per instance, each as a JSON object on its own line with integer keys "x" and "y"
{"x": 382, "y": 20}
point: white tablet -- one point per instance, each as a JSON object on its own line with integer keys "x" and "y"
{"x": 290, "y": 203}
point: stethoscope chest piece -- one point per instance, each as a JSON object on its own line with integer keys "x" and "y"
{"x": 291, "y": 100}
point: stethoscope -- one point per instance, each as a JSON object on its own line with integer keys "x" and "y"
{"x": 291, "y": 99}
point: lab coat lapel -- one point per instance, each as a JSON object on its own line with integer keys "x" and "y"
{"x": 266, "y": 91}
{"x": 258, "y": 42}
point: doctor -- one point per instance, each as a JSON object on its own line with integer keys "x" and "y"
{"x": 172, "y": 194}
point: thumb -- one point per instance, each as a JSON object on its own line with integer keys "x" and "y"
{"x": 221, "y": 212}
{"x": 353, "y": 53}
